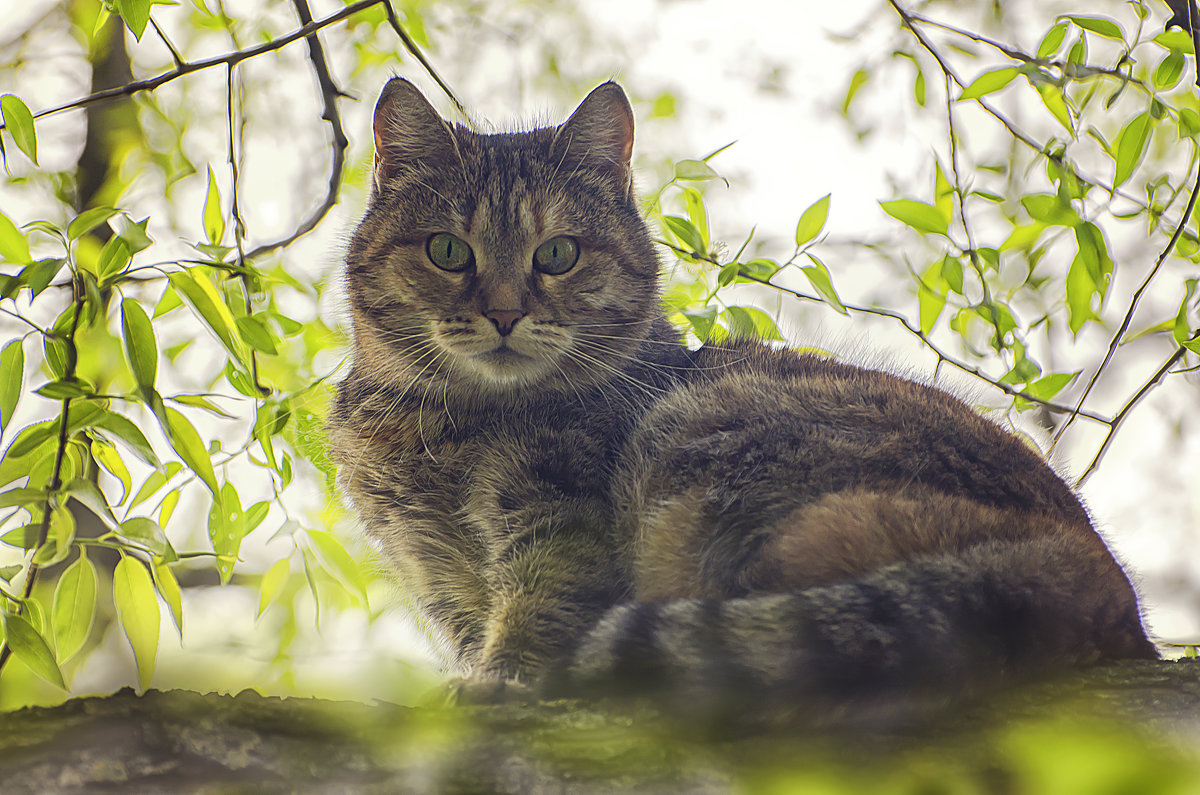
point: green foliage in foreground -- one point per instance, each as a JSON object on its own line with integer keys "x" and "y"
{"x": 162, "y": 383}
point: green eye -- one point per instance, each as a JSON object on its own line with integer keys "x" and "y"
{"x": 449, "y": 253}
{"x": 556, "y": 255}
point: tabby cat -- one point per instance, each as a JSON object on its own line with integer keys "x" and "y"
{"x": 579, "y": 503}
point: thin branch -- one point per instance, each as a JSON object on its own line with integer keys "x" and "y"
{"x": 329, "y": 94}
{"x": 175, "y": 56}
{"x": 229, "y": 59}
{"x": 1129, "y": 406}
{"x": 412, "y": 47}
{"x": 56, "y": 476}
{"x": 1120, "y": 333}
{"x": 910, "y": 21}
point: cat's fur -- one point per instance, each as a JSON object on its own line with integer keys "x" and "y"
{"x": 585, "y": 503}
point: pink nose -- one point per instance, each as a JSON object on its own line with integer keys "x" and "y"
{"x": 504, "y": 319}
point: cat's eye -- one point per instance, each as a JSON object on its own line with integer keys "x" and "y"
{"x": 557, "y": 255}
{"x": 448, "y": 252}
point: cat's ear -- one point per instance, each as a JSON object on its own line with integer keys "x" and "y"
{"x": 599, "y": 134}
{"x": 409, "y": 133}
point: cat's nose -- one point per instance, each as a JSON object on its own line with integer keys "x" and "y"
{"x": 504, "y": 319}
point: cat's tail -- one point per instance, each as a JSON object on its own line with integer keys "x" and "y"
{"x": 934, "y": 627}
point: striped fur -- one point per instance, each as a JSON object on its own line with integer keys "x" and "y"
{"x": 586, "y": 506}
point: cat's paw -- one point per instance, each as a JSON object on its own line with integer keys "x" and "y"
{"x": 467, "y": 692}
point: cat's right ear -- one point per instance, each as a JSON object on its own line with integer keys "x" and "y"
{"x": 409, "y": 133}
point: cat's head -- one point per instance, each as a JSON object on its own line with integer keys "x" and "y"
{"x": 501, "y": 264}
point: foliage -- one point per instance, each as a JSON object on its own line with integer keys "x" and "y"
{"x": 145, "y": 332}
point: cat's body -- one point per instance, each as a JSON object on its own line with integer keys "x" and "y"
{"x": 571, "y": 496}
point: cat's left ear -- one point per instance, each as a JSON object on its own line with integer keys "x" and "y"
{"x": 599, "y": 135}
{"x": 409, "y": 133}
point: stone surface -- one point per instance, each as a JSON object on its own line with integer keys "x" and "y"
{"x": 188, "y": 742}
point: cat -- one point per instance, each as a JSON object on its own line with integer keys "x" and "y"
{"x": 580, "y": 504}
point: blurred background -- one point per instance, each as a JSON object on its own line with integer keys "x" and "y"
{"x": 802, "y": 100}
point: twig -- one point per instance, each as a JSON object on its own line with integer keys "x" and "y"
{"x": 1129, "y": 406}
{"x": 56, "y": 476}
{"x": 228, "y": 59}
{"x": 329, "y": 94}
{"x": 1125, "y": 321}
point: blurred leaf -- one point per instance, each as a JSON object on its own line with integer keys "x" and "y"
{"x": 74, "y": 607}
{"x": 1080, "y": 289}
{"x": 12, "y": 376}
{"x": 168, "y": 588}
{"x": 1052, "y": 41}
{"x": 90, "y": 495}
{"x": 59, "y": 537}
{"x": 1056, "y": 103}
{"x": 14, "y": 248}
{"x": 750, "y": 322}
{"x": 272, "y": 584}
{"x": 694, "y": 201}
{"x": 256, "y": 334}
{"x": 88, "y": 220}
{"x": 18, "y": 120}
{"x": 1099, "y": 25}
{"x": 123, "y": 429}
{"x": 107, "y": 456}
{"x": 920, "y": 216}
{"x": 145, "y": 533}
{"x": 988, "y": 83}
{"x": 929, "y": 306}
{"x": 214, "y": 220}
{"x": 695, "y": 170}
{"x": 857, "y": 81}
{"x": 1131, "y": 147}
{"x": 337, "y": 561}
{"x": 137, "y": 610}
{"x": 812, "y": 220}
{"x": 31, "y": 648}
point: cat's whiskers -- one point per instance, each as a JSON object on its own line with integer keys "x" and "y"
{"x": 386, "y": 414}
{"x": 421, "y": 407}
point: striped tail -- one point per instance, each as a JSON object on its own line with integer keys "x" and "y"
{"x": 927, "y": 629}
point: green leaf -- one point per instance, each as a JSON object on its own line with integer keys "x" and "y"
{"x": 74, "y": 607}
{"x": 687, "y": 234}
{"x": 12, "y": 375}
{"x": 1055, "y": 102}
{"x": 123, "y": 429}
{"x": 1080, "y": 289}
{"x": 988, "y": 83}
{"x": 920, "y": 216}
{"x": 59, "y": 537}
{"x": 137, "y": 609}
{"x": 191, "y": 449}
{"x": 14, "y": 248}
{"x": 750, "y": 322}
{"x": 1048, "y": 386}
{"x": 857, "y": 81}
{"x": 1101, "y": 26}
{"x": 1169, "y": 71}
{"x": 204, "y": 301}
{"x": 226, "y": 529}
{"x": 88, "y": 220}
{"x": 168, "y": 588}
{"x": 1052, "y": 41}
{"x": 90, "y": 495}
{"x": 272, "y": 584}
{"x": 818, "y": 277}
{"x": 31, "y": 648}
{"x": 18, "y": 120}
{"x": 145, "y": 533}
{"x": 1050, "y": 210}
{"x": 113, "y": 258}
{"x": 695, "y": 170}
{"x": 141, "y": 350}
{"x": 694, "y": 201}
{"x": 812, "y": 220}
{"x": 929, "y": 305}
{"x": 60, "y": 390}
{"x": 214, "y": 221}
{"x": 107, "y": 456}
{"x": 256, "y": 334}
{"x": 1131, "y": 147}
{"x": 337, "y": 561}
{"x": 701, "y": 320}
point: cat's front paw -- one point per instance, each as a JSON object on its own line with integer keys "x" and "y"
{"x": 468, "y": 692}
